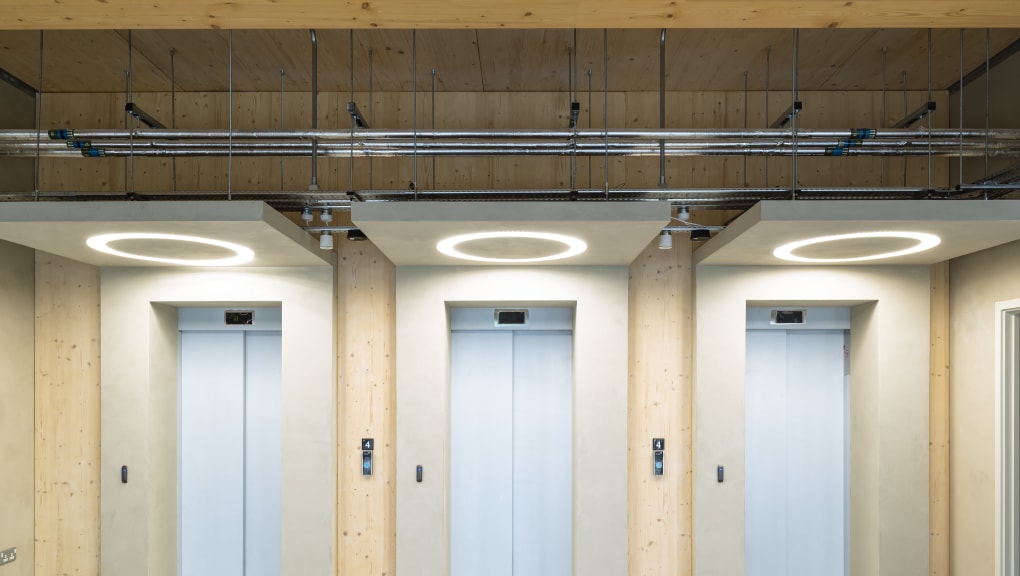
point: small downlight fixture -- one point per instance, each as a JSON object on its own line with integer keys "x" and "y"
{"x": 665, "y": 240}
{"x": 326, "y": 240}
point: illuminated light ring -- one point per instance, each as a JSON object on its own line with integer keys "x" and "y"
{"x": 574, "y": 246}
{"x": 924, "y": 242}
{"x": 241, "y": 254}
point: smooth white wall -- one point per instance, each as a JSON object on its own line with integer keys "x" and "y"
{"x": 139, "y": 409}
{"x": 893, "y": 489}
{"x": 17, "y": 406}
{"x": 600, "y": 404}
{"x": 976, "y": 283}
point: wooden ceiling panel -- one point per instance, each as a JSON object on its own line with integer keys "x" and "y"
{"x": 495, "y": 60}
{"x": 524, "y": 60}
{"x": 454, "y": 54}
{"x": 199, "y": 56}
{"x": 717, "y": 59}
{"x": 908, "y": 51}
{"x": 78, "y": 60}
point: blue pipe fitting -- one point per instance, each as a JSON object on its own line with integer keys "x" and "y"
{"x": 61, "y": 134}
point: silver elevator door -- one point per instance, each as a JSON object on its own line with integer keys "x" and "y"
{"x": 511, "y": 445}
{"x": 230, "y": 448}
{"x": 797, "y": 453}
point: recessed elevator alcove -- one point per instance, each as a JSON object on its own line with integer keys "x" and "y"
{"x": 797, "y": 458}
{"x": 230, "y": 495}
{"x": 511, "y": 398}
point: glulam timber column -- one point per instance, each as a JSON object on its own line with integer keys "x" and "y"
{"x": 67, "y": 416}
{"x": 366, "y": 396}
{"x": 659, "y": 406}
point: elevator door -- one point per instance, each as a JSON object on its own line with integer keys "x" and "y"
{"x": 230, "y": 451}
{"x": 511, "y": 445}
{"x": 797, "y": 453}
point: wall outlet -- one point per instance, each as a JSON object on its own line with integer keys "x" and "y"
{"x": 9, "y": 555}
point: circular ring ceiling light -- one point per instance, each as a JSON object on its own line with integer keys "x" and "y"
{"x": 241, "y": 254}
{"x": 573, "y": 246}
{"x": 924, "y": 242}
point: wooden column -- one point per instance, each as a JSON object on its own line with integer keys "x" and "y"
{"x": 938, "y": 456}
{"x": 67, "y": 514}
{"x": 659, "y": 406}
{"x": 366, "y": 370}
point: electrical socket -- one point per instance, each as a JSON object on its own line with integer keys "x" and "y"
{"x": 9, "y": 555}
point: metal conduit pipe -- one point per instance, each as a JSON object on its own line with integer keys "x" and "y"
{"x": 439, "y": 144}
{"x": 734, "y": 146}
{"x": 25, "y": 150}
{"x": 382, "y": 147}
{"x": 209, "y": 148}
{"x": 656, "y": 193}
{"x": 1003, "y": 151}
{"x": 692, "y": 198}
{"x": 637, "y": 134}
{"x": 315, "y": 111}
{"x": 530, "y": 142}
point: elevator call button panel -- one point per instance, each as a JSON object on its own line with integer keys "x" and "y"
{"x": 658, "y": 459}
{"x": 367, "y": 446}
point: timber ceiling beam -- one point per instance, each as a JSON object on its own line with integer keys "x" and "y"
{"x": 324, "y": 14}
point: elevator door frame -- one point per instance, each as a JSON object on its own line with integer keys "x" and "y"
{"x": 1007, "y": 428}
{"x": 267, "y": 320}
{"x": 820, "y": 320}
{"x": 539, "y": 320}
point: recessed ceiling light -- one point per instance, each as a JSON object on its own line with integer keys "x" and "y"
{"x": 572, "y": 246}
{"x": 241, "y": 254}
{"x": 924, "y": 242}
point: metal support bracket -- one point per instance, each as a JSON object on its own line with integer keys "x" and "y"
{"x": 785, "y": 118}
{"x": 356, "y": 115}
{"x": 916, "y": 116}
{"x": 142, "y": 116}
